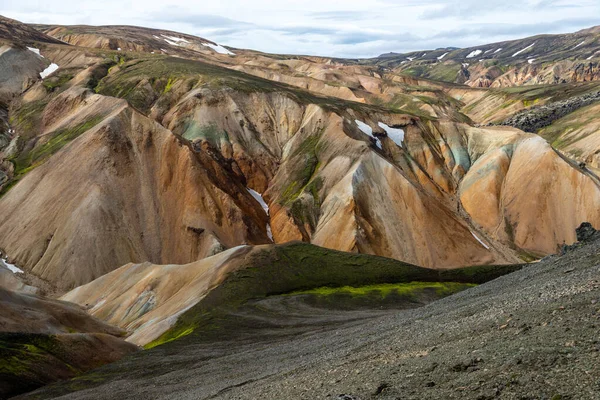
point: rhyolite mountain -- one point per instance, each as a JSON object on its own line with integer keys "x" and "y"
{"x": 541, "y": 59}
{"x": 153, "y": 177}
{"x": 129, "y": 156}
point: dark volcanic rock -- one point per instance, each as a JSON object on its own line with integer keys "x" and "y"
{"x": 585, "y": 231}
{"x": 535, "y": 118}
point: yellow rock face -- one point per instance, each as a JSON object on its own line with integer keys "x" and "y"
{"x": 126, "y": 190}
{"x": 146, "y": 299}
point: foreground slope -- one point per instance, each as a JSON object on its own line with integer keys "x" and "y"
{"x": 157, "y": 303}
{"x": 529, "y": 334}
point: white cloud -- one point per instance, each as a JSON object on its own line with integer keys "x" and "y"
{"x": 349, "y": 28}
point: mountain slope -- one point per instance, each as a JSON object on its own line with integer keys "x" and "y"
{"x": 133, "y": 38}
{"x": 15, "y": 31}
{"x": 542, "y": 59}
{"x": 157, "y": 303}
{"x": 134, "y": 192}
{"x": 165, "y": 176}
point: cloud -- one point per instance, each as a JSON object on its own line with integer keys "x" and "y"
{"x": 471, "y": 9}
{"x": 348, "y": 28}
{"x": 340, "y": 15}
{"x": 179, "y": 15}
{"x": 484, "y": 31}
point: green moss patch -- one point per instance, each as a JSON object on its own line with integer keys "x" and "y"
{"x": 387, "y": 295}
{"x": 37, "y": 154}
{"x": 29, "y": 361}
{"x": 386, "y": 289}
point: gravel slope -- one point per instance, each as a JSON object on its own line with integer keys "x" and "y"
{"x": 532, "y": 334}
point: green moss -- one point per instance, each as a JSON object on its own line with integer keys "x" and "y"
{"x": 386, "y": 289}
{"x": 305, "y": 160}
{"x": 27, "y": 160}
{"x": 169, "y": 85}
{"x": 56, "y": 81}
{"x": 124, "y": 82}
{"x": 27, "y": 117}
{"x": 169, "y": 338}
{"x": 210, "y": 132}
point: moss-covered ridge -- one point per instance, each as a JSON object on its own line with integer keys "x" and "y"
{"x": 296, "y": 267}
{"x": 144, "y": 81}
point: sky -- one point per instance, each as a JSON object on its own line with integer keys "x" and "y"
{"x": 337, "y": 28}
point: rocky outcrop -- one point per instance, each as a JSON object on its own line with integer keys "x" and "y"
{"x": 585, "y": 234}
{"x": 535, "y": 118}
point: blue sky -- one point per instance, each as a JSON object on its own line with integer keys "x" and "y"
{"x": 343, "y": 28}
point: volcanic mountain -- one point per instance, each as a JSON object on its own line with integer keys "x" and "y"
{"x": 157, "y": 179}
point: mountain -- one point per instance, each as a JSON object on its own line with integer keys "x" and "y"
{"x": 19, "y": 32}
{"x": 133, "y": 39}
{"x": 541, "y": 59}
{"x": 186, "y": 192}
{"x": 419, "y": 187}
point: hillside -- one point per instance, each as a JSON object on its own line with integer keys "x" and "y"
{"x": 542, "y": 59}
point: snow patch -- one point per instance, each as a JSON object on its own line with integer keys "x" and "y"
{"x": 465, "y": 65}
{"x": 522, "y": 50}
{"x": 580, "y": 44}
{"x": 49, "y": 70}
{"x": 219, "y": 49}
{"x": 172, "y": 43}
{"x": 410, "y": 58}
{"x": 174, "y": 39}
{"x": 396, "y": 134}
{"x": 442, "y": 56}
{"x": 487, "y": 51}
{"x": 479, "y": 240}
{"x": 258, "y": 197}
{"x": 499, "y": 50}
{"x": 12, "y": 267}
{"x": 367, "y": 130}
{"x": 474, "y": 53}
{"x": 36, "y": 51}
{"x": 531, "y": 60}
